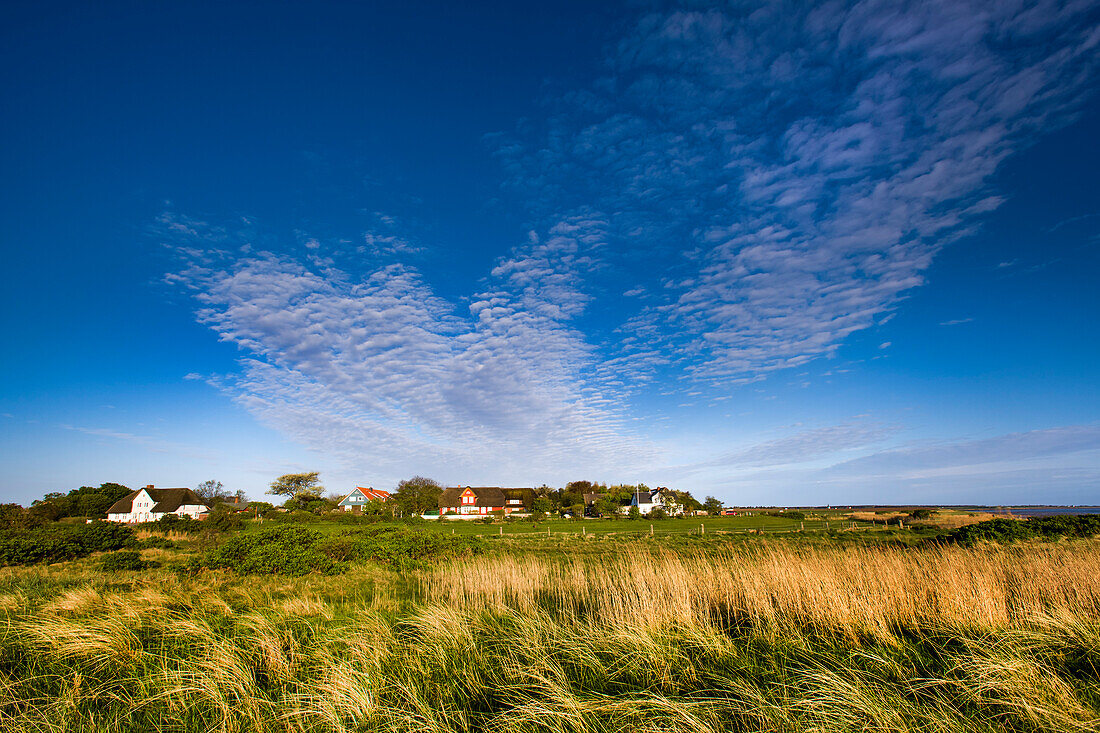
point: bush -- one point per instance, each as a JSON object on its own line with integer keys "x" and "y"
{"x": 58, "y": 543}
{"x": 922, "y": 514}
{"x": 125, "y": 560}
{"x": 401, "y": 548}
{"x": 175, "y": 523}
{"x": 1013, "y": 530}
{"x": 221, "y": 520}
{"x": 288, "y": 550}
{"x": 634, "y": 513}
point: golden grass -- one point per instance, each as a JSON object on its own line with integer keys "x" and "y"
{"x": 852, "y": 590}
{"x": 771, "y": 637}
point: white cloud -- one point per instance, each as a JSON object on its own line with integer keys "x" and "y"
{"x": 953, "y": 455}
{"x": 814, "y": 157}
{"x": 384, "y": 375}
{"x": 805, "y": 446}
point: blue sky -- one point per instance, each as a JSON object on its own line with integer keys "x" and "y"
{"x": 774, "y": 253}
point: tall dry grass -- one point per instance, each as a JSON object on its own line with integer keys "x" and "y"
{"x": 773, "y": 638}
{"x": 848, "y": 591}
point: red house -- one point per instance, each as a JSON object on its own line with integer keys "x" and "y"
{"x": 482, "y": 500}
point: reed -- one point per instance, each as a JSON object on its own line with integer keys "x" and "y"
{"x": 774, "y": 637}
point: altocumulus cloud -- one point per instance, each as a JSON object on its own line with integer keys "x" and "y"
{"x": 814, "y": 157}
{"x": 769, "y": 179}
{"x": 378, "y": 371}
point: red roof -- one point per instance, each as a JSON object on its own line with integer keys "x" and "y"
{"x": 374, "y": 494}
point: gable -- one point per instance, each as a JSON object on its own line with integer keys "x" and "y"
{"x": 356, "y": 497}
{"x": 125, "y": 505}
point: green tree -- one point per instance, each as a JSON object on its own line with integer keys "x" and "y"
{"x": 634, "y": 513}
{"x": 542, "y": 505}
{"x": 298, "y": 485}
{"x": 213, "y": 492}
{"x": 713, "y": 506}
{"x": 417, "y": 495}
{"x": 607, "y": 506}
{"x": 13, "y": 516}
{"x": 87, "y": 501}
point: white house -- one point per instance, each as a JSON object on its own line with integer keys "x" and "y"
{"x": 647, "y": 501}
{"x": 150, "y": 504}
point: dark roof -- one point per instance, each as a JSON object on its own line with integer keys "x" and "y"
{"x": 485, "y": 496}
{"x": 592, "y": 498}
{"x": 167, "y": 500}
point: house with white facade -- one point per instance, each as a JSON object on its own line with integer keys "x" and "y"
{"x": 150, "y": 504}
{"x": 648, "y": 500}
{"x": 360, "y": 497}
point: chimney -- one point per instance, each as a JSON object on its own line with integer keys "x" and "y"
{"x": 149, "y": 486}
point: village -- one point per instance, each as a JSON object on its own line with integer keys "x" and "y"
{"x": 150, "y": 503}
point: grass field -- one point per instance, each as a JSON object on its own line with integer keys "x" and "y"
{"x": 816, "y": 521}
{"x": 793, "y": 631}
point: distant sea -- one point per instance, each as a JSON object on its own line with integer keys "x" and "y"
{"x": 1033, "y": 511}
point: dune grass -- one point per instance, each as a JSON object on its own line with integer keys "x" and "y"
{"x": 776, "y": 636}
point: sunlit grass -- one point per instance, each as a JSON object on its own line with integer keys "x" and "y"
{"x": 768, "y": 637}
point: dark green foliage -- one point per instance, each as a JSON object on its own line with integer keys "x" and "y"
{"x": 13, "y": 516}
{"x": 87, "y": 501}
{"x": 176, "y": 523}
{"x": 922, "y": 514}
{"x": 1013, "y": 530}
{"x": 417, "y": 495}
{"x": 286, "y": 550}
{"x": 794, "y": 516}
{"x": 309, "y": 504}
{"x": 162, "y": 543}
{"x": 222, "y": 520}
{"x": 125, "y": 560}
{"x": 713, "y": 506}
{"x": 401, "y": 548}
{"x": 61, "y": 542}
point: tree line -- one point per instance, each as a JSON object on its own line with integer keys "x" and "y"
{"x": 303, "y": 492}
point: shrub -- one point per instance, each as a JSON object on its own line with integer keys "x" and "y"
{"x": 634, "y": 513}
{"x": 58, "y": 543}
{"x": 401, "y": 548}
{"x": 125, "y": 560}
{"x": 922, "y": 514}
{"x": 176, "y": 523}
{"x": 1012, "y": 530}
{"x": 162, "y": 543}
{"x": 287, "y": 550}
{"x": 221, "y": 520}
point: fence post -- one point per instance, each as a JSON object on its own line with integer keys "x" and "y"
{"x": 502, "y": 530}
{"x": 801, "y": 526}
{"x": 702, "y": 529}
{"x": 651, "y": 530}
{"x": 584, "y": 531}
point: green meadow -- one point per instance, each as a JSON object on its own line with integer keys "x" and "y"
{"x": 754, "y": 623}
